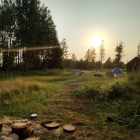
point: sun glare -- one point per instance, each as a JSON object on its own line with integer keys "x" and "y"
{"x": 96, "y": 41}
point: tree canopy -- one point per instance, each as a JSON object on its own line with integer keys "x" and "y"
{"x": 28, "y": 24}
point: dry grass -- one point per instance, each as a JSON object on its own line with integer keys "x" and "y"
{"x": 11, "y": 87}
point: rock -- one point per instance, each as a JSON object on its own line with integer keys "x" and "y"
{"x": 7, "y": 121}
{"x": 3, "y": 137}
{"x": 33, "y": 138}
{"x": 29, "y": 123}
{"x": 52, "y": 125}
{"x": 14, "y": 136}
{"x": 5, "y": 133}
{"x": 68, "y": 128}
{"x": 33, "y": 115}
{"x": 16, "y": 121}
{"x": 40, "y": 129}
{"x": 8, "y": 138}
{"x": 24, "y": 120}
{"x": 19, "y": 127}
{"x": 26, "y": 133}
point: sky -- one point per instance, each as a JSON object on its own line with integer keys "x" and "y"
{"x": 78, "y": 21}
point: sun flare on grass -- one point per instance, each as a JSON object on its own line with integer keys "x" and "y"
{"x": 96, "y": 41}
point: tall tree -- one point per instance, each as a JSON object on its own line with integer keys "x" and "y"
{"x": 7, "y": 28}
{"x": 73, "y": 59}
{"x": 102, "y": 53}
{"x": 65, "y": 55}
{"x": 108, "y": 63}
{"x": 119, "y": 53}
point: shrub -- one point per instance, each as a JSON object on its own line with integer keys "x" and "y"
{"x": 117, "y": 91}
{"x": 92, "y": 91}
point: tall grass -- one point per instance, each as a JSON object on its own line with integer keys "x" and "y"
{"x": 119, "y": 97}
{"x": 24, "y": 95}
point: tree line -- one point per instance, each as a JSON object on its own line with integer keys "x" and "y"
{"x": 90, "y": 59}
{"x": 24, "y": 26}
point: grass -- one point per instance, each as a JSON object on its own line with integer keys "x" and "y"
{"x": 24, "y": 95}
{"x": 80, "y": 100}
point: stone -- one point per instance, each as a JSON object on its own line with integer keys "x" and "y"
{"x": 29, "y": 123}
{"x": 33, "y": 138}
{"x": 5, "y": 133}
{"x": 24, "y": 120}
{"x": 33, "y": 115}
{"x": 3, "y": 137}
{"x": 16, "y": 121}
{"x": 39, "y": 129}
{"x": 8, "y": 138}
{"x": 14, "y": 136}
{"x": 7, "y": 121}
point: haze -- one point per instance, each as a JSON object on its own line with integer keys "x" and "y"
{"x": 78, "y": 21}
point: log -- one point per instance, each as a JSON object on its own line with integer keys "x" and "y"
{"x": 68, "y": 128}
{"x": 26, "y": 133}
{"x": 52, "y": 125}
{"x": 17, "y": 128}
{"x": 1, "y": 127}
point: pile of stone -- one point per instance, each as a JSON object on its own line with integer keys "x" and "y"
{"x": 16, "y": 129}
{"x": 24, "y": 129}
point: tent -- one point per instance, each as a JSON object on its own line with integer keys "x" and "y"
{"x": 116, "y": 71}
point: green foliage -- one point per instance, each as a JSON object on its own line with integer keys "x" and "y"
{"x": 92, "y": 91}
{"x": 117, "y": 91}
{"x": 24, "y": 24}
{"x": 23, "y": 95}
{"x": 119, "y": 53}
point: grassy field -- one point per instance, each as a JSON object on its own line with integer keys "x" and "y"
{"x": 102, "y": 108}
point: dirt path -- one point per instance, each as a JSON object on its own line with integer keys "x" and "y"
{"x": 65, "y": 108}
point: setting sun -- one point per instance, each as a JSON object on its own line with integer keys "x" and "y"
{"x": 96, "y": 41}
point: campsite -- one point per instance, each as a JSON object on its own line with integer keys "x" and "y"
{"x": 99, "y": 107}
{"x": 69, "y": 70}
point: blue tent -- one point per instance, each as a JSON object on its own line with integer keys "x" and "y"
{"x": 116, "y": 71}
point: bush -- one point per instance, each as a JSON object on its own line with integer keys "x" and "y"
{"x": 92, "y": 91}
{"x": 118, "y": 91}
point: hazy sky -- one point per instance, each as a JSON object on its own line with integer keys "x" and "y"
{"x": 78, "y": 21}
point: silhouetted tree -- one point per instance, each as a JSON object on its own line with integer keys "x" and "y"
{"x": 102, "y": 52}
{"x": 73, "y": 59}
{"x": 119, "y": 53}
{"x": 65, "y": 55}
